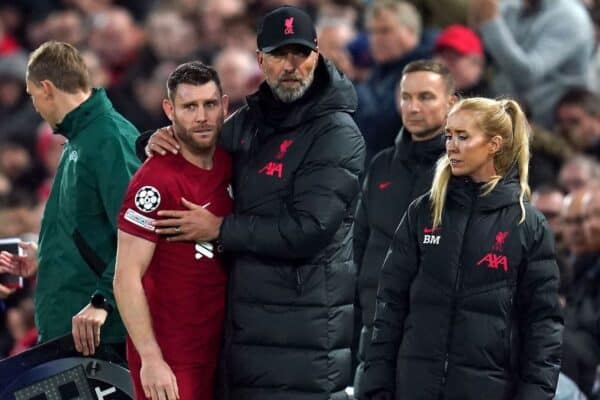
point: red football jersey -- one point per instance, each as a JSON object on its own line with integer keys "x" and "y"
{"x": 185, "y": 283}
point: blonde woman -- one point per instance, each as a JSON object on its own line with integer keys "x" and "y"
{"x": 467, "y": 306}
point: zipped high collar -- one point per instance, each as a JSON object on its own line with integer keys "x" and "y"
{"x": 77, "y": 119}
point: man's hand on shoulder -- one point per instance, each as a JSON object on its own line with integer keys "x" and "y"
{"x": 86, "y": 329}
{"x": 161, "y": 141}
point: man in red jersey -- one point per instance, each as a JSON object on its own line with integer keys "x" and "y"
{"x": 171, "y": 294}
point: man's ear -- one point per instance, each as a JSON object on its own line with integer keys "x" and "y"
{"x": 225, "y": 104}
{"x": 168, "y": 108}
{"x": 259, "y": 58}
{"x": 48, "y": 88}
{"x": 453, "y": 99}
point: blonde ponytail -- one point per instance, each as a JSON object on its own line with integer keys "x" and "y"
{"x": 521, "y": 138}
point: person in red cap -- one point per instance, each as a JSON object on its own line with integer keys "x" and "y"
{"x": 461, "y": 51}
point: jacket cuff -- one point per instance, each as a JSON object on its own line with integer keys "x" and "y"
{"x": 221, "y": 240}
{"x": 233, "y": 235}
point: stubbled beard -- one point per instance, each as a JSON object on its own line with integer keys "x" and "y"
{"x": 187, "y": 138}
{"x": 290, "y": 95}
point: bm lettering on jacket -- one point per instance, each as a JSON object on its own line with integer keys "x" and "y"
{"x": 429, "y": 237}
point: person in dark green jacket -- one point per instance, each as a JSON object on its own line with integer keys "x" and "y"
{"x": 77, "y": 245}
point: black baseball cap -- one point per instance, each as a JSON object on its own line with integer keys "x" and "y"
{"x": 286, "y": 25}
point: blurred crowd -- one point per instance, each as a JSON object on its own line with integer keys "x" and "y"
{"x": 543, "y": 52}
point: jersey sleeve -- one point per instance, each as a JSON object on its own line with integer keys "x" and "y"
{"x": 147, "y": 194}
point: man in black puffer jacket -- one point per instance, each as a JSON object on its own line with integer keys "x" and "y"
{"x": 297, "y": 159}
{"x": 397, "y": 176}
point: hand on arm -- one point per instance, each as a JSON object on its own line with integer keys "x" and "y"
{"x": 195, "y": 224}
{"x": 133, "y": 257}
{"x": 161, "y": 141}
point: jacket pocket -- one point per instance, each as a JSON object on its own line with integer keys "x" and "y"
{"x": 96, "y": 264}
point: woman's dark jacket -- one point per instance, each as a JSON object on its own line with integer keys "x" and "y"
{"x": 468, "y": 310}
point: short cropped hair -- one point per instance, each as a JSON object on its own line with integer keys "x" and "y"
{"x": 61, "y": 64}
{"x": 434, "y": 67}
{"x": 581, "y": 97}
{"x": 193, "y": 73}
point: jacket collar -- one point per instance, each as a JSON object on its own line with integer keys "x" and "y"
{"x": 406, "y": 149}
{"x": 84, "y": 114}
{"x": 467, "y": 192}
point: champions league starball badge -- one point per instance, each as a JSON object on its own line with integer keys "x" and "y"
{"x": 147, "y": 199}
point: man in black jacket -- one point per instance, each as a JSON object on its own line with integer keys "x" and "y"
{"x": 297, "y": 158}
{"x": 396, "y": 177}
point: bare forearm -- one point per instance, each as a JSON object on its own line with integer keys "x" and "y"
{"x": 134, "y": 310}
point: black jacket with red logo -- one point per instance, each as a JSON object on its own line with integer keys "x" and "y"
{"x": 296, "y": 181}
{"x": 468, "y": 310}
{"x": 396, "y": 176}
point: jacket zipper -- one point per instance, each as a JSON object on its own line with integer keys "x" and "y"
{"x": 450, "y": 328}
{"x": 250, "y": 158}
{"x": 453, "y": 305}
